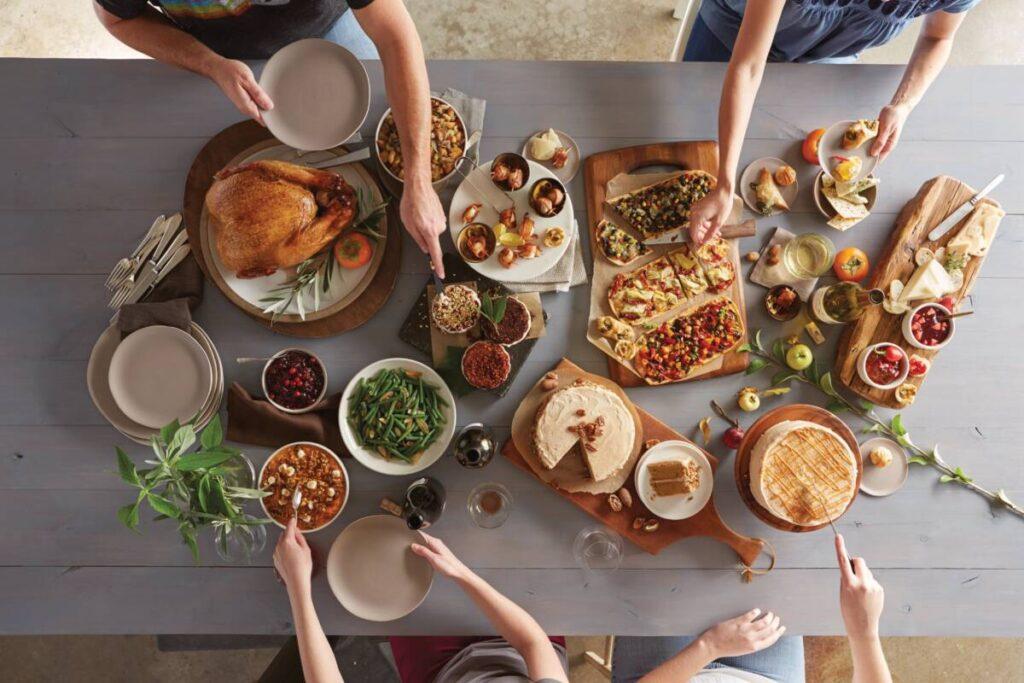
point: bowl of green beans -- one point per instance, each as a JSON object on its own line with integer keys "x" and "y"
{"x": 397, "y": 416}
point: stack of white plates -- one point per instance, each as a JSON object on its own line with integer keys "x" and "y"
{"x": 154, "y": 375}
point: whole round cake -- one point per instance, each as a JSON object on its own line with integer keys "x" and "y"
{"x": 803, "y": 473}
{"x": 589, "y": 419}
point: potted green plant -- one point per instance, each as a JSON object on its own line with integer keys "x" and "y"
{"x": 203, "y": 488}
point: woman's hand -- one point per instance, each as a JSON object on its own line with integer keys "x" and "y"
{"x": 890, "y": 125}
{"x": 292, "y": 559}
{"x": 434, "y": 551}
{"x": 709, "y": 214}
{"x": 423, "y": 216}
{"x": 235, "y": 79}
{"x": 861, "y": 598}
{"x": 742, "y": 635}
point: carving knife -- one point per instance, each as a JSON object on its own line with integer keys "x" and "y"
{"x": 964, "y": 209}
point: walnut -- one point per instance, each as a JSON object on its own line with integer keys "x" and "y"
{"x": 638, "y": 523}
{"x": 752, "y": 256}
{"x": 581, "y": 412}
{"x": 774, "y": 254}
{"x": 625, "y": 497}
{"x": 651, "y": 443}
{"x": 614, "y": 503}
{"x": 651, "y": 526}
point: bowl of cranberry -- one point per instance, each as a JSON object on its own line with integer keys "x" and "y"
{"x": 928, "y": 326}
{"x": 883, "y": 366}
{"x": 294, "y": 381}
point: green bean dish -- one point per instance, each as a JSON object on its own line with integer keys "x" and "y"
{"x": 396, "y": 414}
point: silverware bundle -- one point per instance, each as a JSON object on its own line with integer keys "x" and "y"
{"x": 164, "y": 246}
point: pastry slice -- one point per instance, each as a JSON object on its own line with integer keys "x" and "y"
{"x": 646, "y": 292}
{"x": 618, "y": 246}
{"x": 714, "y": 260}
{"x": 688, "y": 269}
{"x": 767, "y": 198}
{"x": 859, "y": 132}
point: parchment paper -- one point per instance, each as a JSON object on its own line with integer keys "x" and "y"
{"x": 769, "y": 276}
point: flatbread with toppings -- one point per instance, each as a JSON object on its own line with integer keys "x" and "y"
{"x": 688, "y": 269}
{"x": 618, "y": 246}
{"x": 718, "y": 269}
{"x": 664, "y": 206}
{"x": 646, "y": 292}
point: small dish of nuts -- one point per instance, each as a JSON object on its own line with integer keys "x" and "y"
{"x": 447, "y": 142}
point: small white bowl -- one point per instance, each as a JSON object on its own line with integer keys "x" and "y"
{"x": 344, "y": 474}
{"x": 862, "y": 370}
{"x": 293, "y": 411}
{"x": 908, "y": 334}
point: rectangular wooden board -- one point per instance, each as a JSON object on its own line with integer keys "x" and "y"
{"x": 936, "y": 200}
{"x": 599, "y": 168}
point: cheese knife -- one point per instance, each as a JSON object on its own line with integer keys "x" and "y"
{"x": 964, "y": 209}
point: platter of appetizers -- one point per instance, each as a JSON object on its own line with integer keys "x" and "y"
{"x": 529, "y": 214}
{"x": 844, "y": 150}
{"x": 885, "y": 355}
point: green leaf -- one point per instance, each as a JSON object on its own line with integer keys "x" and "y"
{"x": 825, "y": 382}
{"x": 126, "y": 468}
{"x": 896, "y": 425}
{"x": 213, "y": 434}
{"x": 203, "y": 492}
{"x": 163, "y": 506}
{"x": 129, "y": 515}
{"x": 783, "y": 377}
{"x": 873, "y": 429}
{"x": 203, "y": 459}
{"x": 250, "y": 494}
{"x": 866, "y": 406}
{"x": 498, "y": 313}
{"x": 756, "y": 364}
{"x": 779, "y": 351}
{"x": 962, "y": 476}
{"x": 168, "y": 432}
{"x": 918, "y": 460}
{"x": 836, "y": 406}
{"x": 945, "y": 478}
{"x": 904, "y": 440}
{"x": 182, "y": 441}
{"x": 757, "y": 339}
{"x": 188, "y": 537}
{"x": 744, "y": 348}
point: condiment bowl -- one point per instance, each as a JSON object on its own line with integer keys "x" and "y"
{"x": 908, "y": 332}
{"x": 266, "y": 393}
{"x": 472, "y": 230}
{"x": 769, "y": 297}
{"x": 538, "y": 193}
{"x": 344, "y": 477}
{"x": 514, "y": 162}
{"x": 862, "y": 367}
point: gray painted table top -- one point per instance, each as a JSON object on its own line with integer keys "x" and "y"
{"x": 92, "y": 150}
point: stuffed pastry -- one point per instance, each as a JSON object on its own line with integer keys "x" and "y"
{"x": 859, "y": 132}
{"x": 768, "y": 198}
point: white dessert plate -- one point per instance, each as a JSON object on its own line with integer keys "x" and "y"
{"x": 321, "y": 94}
{"x": 373, "y": 460}
{"x": 749, "y": 177}
{"x": 883, "y": 481}
{"x": 374, "y": 573}
{"x": 681, "y": 506}
{"x": 831, "y": 145}
{"x": 572, "y": 164}
{"x": 522, "y": 269}
{"x": 158, "y": 374}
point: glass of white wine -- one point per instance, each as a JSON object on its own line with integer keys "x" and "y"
{"x": 809, "y": 255}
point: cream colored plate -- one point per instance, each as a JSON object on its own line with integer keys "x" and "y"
{"x": 681, "y": 506}
{"x": 321, "y": 94}
{"x": 572, "y": 164}
{"x": 831, "y": 145}
{"x": 374, "y": 573}
{"x": 749, "y": 177}
{"x": 883, "y": 481}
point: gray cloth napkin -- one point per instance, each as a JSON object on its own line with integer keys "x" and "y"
{"x": 568, "y": 272}
{"x": 769, "y": 276}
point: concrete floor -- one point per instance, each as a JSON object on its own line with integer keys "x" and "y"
{"x": 477, "y": 29}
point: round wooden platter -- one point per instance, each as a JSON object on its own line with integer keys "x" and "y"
{"x": 797, "y": 411}
{"x": 235, "y": 142}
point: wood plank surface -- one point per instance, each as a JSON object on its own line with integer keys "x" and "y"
{"x": 120, "y": 136}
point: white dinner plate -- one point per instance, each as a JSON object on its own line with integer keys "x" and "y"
{"x": 883, "y": 481}
{"x": 522, "y": 269}
{"x": 320, "y": 91}
{"x": 374, "y": 573}
{"x": 159, "y": 374}
{"x": 681, "y": 506}
{"x": 372, "y": 459}
{"x": 749, "y": 178}
{"x": 831, "y": 145}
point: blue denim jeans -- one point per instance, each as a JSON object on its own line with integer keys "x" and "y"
{"x": 635, "y": 657}
{"x": 349, "y": 34}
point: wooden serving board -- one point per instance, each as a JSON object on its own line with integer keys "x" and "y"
{"x": 704, "y": 523}
{"x": 599, "y": 168}
{"x": 218, "y": 152}
{"x": 796, "y": 411}
{"x": 936, "y": 200}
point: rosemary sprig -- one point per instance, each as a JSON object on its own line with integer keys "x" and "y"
{"x": 865, "y": 410}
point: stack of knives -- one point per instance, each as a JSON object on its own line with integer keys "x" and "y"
{"x": 164, "y": 246}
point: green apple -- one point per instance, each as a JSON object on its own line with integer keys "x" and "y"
{"x": 799, "y": 356}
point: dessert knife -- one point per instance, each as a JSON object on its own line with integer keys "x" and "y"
{"x": 964, "y": 209}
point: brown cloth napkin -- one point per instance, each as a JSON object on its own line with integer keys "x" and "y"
{"x": 134, "y": 317}
{"x": 256, "y": 421}
{"x": 184, "y": 282}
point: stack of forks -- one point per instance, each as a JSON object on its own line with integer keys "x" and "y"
{"x": 164, "y": 246}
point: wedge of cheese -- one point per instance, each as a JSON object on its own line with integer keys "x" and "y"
{"x": 976, "y": 236}
{"x": 929, "y": 281}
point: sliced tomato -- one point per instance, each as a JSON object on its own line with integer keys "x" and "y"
{"x": 851, "y": 264}
{"x": 353, "y": 250}
{"x": 810, "y": 146}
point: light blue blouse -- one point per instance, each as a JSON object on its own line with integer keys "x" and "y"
{"x": 820, "y": 30}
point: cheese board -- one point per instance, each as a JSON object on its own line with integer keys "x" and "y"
{"x": 706, "y": 522}
{"x": 679, "y": 280}
{"x": 911, "y": 258}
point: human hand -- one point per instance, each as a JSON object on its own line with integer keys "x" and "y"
{"x": 434, "y": 551}
{"x": 423, "y": 216}
{"x": 235, "y": 79}
{"x": 890, "y": 125}
{"x": 742, "y": 635}
{"x": 709, "y": 214}
{"x": 861, "y": 598}
{"x": 292, "y": 559}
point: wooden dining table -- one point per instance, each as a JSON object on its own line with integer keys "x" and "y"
{"x": 92, "y": 150}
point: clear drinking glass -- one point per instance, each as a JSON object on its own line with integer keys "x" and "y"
{"x": 239, "y": 542}
{"x": 808, "y": 255}
{"x": 598, "y": 549}
{"x": 489, "y": 505}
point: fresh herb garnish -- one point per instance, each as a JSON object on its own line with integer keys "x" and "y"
{"x": 493, "y": 307}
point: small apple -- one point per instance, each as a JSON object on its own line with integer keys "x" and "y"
{"x": 748, "y": 400}
{"x": 799, "y": 356}
{"x": 733, "y": 437}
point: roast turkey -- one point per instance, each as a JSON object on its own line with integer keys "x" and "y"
{"x": 268, "y": 215}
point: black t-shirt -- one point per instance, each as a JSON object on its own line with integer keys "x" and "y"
{"x": 243, "y": 29}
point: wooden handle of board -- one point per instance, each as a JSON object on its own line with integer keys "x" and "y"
{"x": 745, "y": 229}
{"x": 746, "y": 547}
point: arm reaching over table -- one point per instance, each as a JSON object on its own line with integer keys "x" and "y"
{"x": 512, "y": 622}
{"x": 861, "y": 600}
{"x": 389, "y": 25}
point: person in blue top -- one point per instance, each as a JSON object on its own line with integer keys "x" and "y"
{"x": 748, "y": 34}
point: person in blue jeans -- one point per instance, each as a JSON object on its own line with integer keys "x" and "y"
{"x": 749, "y": 34}
{"x": 212, "y": 37}
{"x": 751, "y": 648}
